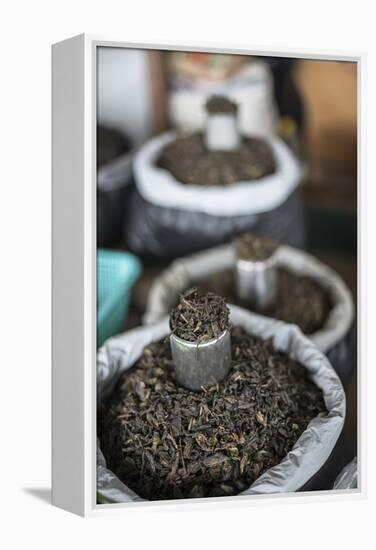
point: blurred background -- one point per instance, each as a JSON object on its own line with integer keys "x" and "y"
{"x": 311, "y": 105}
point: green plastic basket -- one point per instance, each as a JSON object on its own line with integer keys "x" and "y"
{"x": 116, "y": 273}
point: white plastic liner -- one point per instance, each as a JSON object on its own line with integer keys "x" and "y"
{"x": 159, "y": 187}
{"x": 184, "y": 272}
{"x": 348, "y": 478}
{"x": 310, "y": 451}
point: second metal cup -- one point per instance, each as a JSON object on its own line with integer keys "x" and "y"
{"x": 257, "y": 281}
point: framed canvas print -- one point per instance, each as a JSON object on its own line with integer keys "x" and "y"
{"x": 205, "y": 252}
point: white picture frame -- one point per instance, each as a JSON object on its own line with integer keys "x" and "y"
{"x": 74, "y": 276}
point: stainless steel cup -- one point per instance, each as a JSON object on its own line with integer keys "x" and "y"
{"x": 257, "y": 281}
{"x": 201, "y": 365}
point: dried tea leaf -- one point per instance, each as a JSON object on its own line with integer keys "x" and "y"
{"x": 261, "y": 418}
{"x": 249, "y": 246}
{"x": 199, "y": 317}
{"x": 188, "y": 159}
{"x": 243, "y": 462}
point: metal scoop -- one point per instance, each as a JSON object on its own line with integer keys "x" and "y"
{"x": 198, "y": 365}
{"x": 257, "y": 281}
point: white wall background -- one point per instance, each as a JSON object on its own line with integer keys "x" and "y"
{"x": 123, "y": 91}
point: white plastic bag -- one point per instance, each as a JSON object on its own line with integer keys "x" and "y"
{"x": 168, "y": 219}
{"x": 311, "y": 450}
{"x": 251, "y": 88}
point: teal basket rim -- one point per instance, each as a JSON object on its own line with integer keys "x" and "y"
{"x": 127, "y": 266}
{"x": 132, "y": 269}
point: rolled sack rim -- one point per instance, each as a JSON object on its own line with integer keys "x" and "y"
{"x": 311, "y": 450}
{"x": 159, "y": 187}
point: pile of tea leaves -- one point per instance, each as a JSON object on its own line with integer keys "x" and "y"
{"x": 254, "y": 248}
{"x": 300, "y": 300}
{"x": 218, "y": 104}
{"x": 166, "y": 442}
{"x": 190, "y": 162}
{"x": 199, "y": 317}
